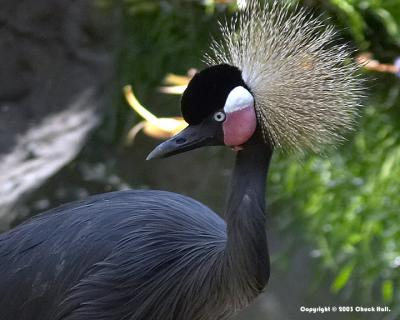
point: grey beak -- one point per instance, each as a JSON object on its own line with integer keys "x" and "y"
{"x": 190, "y": 138}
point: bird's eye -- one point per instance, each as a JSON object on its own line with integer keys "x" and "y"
{"x": 219, "y": 116}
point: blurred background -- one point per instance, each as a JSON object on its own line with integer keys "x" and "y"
{"x": 333, "y": 221}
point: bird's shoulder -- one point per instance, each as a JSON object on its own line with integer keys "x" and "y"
{"x": 106, "y": 217}
{"x": 103, "y": 242}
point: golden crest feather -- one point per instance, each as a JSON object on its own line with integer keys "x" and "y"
{"x": 306, "y": 87}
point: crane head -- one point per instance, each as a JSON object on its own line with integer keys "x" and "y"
{"x": 278, "y": 70}
{"x": 219, "y": 108}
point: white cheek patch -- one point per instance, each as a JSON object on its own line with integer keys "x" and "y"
{"x": 238, "y": 99}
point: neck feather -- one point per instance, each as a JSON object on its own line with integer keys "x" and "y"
{"x": 246, "y": 253}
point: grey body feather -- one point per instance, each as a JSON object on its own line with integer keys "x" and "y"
{"x": 139, "y": 255}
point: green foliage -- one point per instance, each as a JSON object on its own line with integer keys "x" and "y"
{"x": 372, "y": 24}
{"x": 347, "y": 203}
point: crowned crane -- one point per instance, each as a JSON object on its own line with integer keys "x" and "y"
{"x": 276, "y": 79}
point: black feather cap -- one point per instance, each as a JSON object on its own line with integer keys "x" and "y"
{"x": 208, "y": 90}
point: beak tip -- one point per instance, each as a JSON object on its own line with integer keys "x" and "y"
{"x": 186, "y": 140}
{"x": 157, "y": 153}
{"x": 151, "y": 156}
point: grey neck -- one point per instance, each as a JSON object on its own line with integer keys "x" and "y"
{"x": 246, "y": 253}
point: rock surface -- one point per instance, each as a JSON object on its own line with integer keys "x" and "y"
{"x": 56, "y": 60}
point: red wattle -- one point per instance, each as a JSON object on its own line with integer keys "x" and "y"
{"x": 239, "y": 126}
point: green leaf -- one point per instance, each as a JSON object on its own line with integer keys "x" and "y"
{"x": 387, "y": 291}
{"x": 342, "y": 278}
{"x": 355, "y": 20}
